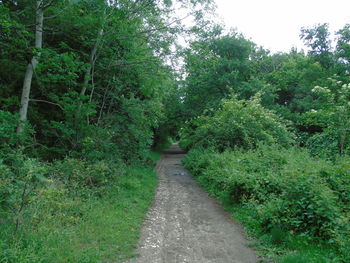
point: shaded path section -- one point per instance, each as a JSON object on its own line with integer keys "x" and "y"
{"x": 185, "y": 225}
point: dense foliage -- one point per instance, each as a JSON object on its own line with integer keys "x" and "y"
{"x": 282, "y": 188}
{"x": 236, "y": 124}
{"x": 59, "y": 212}
{"x": 86, "y": 90}
{"x": 220, "y": 65}
{"x": 268, "y": 134}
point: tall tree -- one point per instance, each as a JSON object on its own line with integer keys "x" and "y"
{"x": 317, "y": 39}
{"x": 343, "y": 46}
{"x": 216, "y": 68}
{"x": 41, "y": 5}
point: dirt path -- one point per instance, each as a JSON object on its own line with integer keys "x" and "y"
{"x": 185, "y": 225}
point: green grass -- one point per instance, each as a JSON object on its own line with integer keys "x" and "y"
{"x": 107, "y": 228}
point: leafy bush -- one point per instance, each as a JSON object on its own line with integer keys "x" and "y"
{"x": 324, "y": 144}
{"x": 132, "y": 129}
{"x": 79, "y": 173}
{"x": 65, "y": 135}
{"x": 237, "y": 124}
{"x": 286, "y": 188}
{"x": 77, "y": 205}
{"x": 20, "y": 178}
{"x": 8, "y": 136}
{"x": 30, "y": 185}
{"x": 5, "y": 188}
{"x": 332, "y": 118}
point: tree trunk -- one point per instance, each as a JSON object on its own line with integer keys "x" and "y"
{"x": 103, "y": 105}
{"x": 27, "y": 83}
{"x": 92, "y": 59}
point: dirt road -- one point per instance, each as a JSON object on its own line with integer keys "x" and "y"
{"x": 185, "y": 225}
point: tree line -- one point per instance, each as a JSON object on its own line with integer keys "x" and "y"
{"x": 86, "y": 91}
{"x": 268, "y": 135}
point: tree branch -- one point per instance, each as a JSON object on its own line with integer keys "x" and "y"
{"x": 49, "y": 102}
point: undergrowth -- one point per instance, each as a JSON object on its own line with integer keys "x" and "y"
{"x": 297, "y": 206}
{"x": 76, "y": 211}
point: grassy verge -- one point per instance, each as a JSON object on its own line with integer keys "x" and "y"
{"x": 91, "y": 225}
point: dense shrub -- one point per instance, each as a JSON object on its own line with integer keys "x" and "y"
{"x": 60, "y": 211}
{"x": 287, "y": 188}
{"x": 26, "y": 183}
{"x": 332, "y": 120}
{"x": 237, "y": 124}
{"x": 80, "y": 173}
{"x": 8, "y": 136}
{"x": 5, "y": 188}
{"x": 21, "y": 178}
{"x": 324, "y": 144}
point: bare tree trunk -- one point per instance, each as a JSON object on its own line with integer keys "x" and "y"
{"x": 93, "y": 53}
{"x": 92, "y": 59}
{"x": 91, "y": 66}
{"x": 27, "y": 83}
{"x": 103, "y": 105}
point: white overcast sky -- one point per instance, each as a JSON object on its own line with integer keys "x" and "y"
{"x": 275, "y": 24}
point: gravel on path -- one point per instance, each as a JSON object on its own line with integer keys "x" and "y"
{"x": 186, "y": 225}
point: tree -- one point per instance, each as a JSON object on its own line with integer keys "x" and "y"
{"x": 41, "y": 6}
{"x": 112, "y": 53}
{"x": 333, "y": 116}
{"x": 216, "y": 67}
{"x": 343, "y": 46}
{"x": 317, "y": 39}
{"x": 236, "y": 124}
